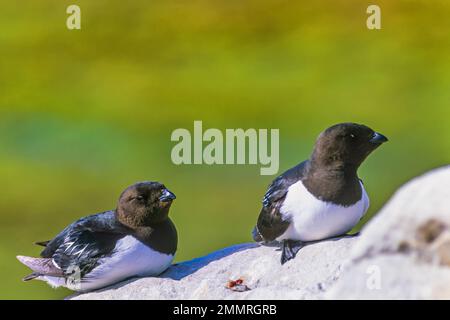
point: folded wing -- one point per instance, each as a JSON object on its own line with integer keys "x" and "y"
{"x": 271, "y": 223}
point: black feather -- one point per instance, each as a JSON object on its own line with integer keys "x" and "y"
{"x": 84, "y": 242}
{"x": 31, "y": 276}
{"x": 271, "y": 224}
{"x": 42, "y": 243}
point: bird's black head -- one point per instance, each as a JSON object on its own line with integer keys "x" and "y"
{"x": 346, "y": 145}
{"x": 144, "y": 204}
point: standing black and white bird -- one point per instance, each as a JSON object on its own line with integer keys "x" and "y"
{"x": 136, "y": 239}
{"x": 321, "y": 197}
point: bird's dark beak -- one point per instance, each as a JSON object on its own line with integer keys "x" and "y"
{"x": 167, "y": 196}
{"x": 378, "y": 138}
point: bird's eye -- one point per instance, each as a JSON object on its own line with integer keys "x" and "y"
{"x": 352, "y": 136}
{"x": 139, "y": 198}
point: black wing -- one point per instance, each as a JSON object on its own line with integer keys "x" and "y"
{"x": 83, "y": 243}
{"x": 271, "y": 223}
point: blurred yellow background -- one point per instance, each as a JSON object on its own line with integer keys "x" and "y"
{"x": 86, "y": 113}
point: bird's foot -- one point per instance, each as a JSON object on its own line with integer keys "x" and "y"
{"x": 290, "y": 249}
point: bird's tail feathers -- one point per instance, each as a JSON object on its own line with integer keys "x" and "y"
{"x": 40, "y": 267}
{"x": 42, "y": 243}
{"x": 31, "y": 276}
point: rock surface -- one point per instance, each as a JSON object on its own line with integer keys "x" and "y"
{"x": 316, "y": 268}
{"x": 403, "y": 253}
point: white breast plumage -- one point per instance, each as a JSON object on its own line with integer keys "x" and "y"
{"x": 313, "y": 219}
{"x": 130, "y": 258}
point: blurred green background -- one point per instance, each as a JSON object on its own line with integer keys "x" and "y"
{"x": 86, "y": 113}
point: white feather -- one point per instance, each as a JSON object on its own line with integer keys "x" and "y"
{"x": 54, "y": 282}
{"x": 313, "y": 219}
{"x": 130, "y": 258}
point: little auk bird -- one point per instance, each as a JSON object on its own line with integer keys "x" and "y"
{"x": 321, "y": 197}
{"x": 136, "y": 239}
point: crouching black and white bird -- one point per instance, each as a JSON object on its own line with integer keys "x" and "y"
{"x": 136, "y": 239}
{"x": 321, "y": 197}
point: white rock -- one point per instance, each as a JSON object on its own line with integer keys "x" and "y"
{"x": 315, "y": 269}
{"x": 405, "y": 248}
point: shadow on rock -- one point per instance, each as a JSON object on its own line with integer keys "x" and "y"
{"x": 180, "y": 270}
